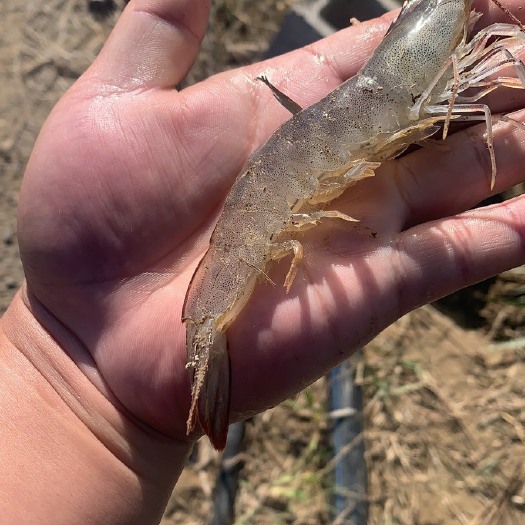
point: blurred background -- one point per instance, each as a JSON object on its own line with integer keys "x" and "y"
{"x": 441, "y": 432}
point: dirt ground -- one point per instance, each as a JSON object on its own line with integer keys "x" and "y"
{"x": 444, "y": 404}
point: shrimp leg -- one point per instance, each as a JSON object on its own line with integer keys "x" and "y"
{"x": 459, "y": 110}
{"x": 334, "y": 186}
{"x": 305, "y": 221}
{"x": 278, "y": 251}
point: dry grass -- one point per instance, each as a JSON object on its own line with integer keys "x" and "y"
{"x": 444, "y": 432}
{"x": 238, "y": 34}
{"x": 286, "y": 476}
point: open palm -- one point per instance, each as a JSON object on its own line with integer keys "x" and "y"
{"x": 126, "y": 182}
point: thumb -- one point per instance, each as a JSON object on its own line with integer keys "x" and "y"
{"x": 153, "y": 45}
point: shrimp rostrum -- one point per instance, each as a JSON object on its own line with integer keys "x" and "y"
{"x": 425, "y": 73}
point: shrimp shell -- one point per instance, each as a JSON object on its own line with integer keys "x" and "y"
{"x": 413, "y": 82}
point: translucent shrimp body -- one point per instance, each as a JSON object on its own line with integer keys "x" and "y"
{"x": 412, "y": 82}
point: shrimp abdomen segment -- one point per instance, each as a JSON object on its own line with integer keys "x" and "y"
{"x": 229, "y": 279}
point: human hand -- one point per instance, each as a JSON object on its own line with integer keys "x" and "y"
{"x": 126, "y": 181}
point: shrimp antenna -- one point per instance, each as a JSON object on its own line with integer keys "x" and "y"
{"x": 509, "y": 14}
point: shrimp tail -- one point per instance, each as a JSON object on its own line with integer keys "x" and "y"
{"x": 210, "y": 376}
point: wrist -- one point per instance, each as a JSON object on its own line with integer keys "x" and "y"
{"x": 65, "y": 444}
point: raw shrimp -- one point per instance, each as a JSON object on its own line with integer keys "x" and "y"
{"x": 412, "y": 83}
